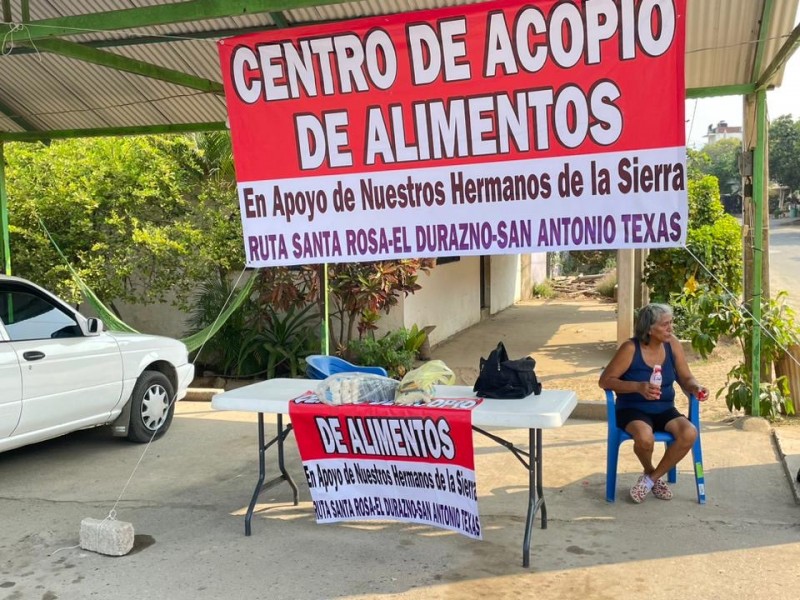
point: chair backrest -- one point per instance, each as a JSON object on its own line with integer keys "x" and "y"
{"x": 611, "y": 412}
{"x": 319, "y": 366}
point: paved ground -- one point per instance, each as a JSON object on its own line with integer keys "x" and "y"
{"x": 188, "y": 495}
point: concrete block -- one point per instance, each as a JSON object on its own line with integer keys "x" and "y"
{"x": 111, "y": 537}
{"x": 201, "y": 394}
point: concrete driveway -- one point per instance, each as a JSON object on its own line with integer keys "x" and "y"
{"x": 187, "y": 498}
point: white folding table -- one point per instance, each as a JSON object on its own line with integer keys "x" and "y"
{"x": 548, "y": 410}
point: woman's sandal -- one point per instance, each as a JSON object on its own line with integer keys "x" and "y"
{"x": 640, "y": 489}
{"x": 661, "y": 490}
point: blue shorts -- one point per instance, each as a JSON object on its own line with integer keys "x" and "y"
{"x": 657, "y": 421}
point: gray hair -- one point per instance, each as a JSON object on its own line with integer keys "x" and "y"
{"x": 648, "y": 316}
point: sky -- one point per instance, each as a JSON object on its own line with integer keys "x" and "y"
{"x": 784, "y": 100}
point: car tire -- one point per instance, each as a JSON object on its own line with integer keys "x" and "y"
{"x": 152, "y": 407}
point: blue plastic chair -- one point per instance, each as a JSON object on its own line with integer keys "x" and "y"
{"x": 319, "y": 366}
{"x": 617, "y": 436}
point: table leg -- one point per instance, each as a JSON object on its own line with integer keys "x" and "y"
{"x": 535, "y": 492}
{"x": 539, "y": 485}
{"x": 281, "y": 466}
{"x": 261, "y": 473}
{"x": 284, "y": 474}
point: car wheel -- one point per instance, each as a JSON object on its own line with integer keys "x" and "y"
{"x": 152, "y": 407}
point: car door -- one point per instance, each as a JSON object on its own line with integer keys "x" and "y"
{"x": 10, "y": 387}
{"x": 69, "y": 380}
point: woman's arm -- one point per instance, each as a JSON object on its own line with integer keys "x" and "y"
{"x": 610, "y": 378}
{"x": 686, "y": 379}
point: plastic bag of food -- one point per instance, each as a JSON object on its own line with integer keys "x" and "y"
{"x": 356, "y": 388}
{"x": 417, "y": 386}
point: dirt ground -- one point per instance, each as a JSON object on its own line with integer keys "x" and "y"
{"x": 710, "y": 372}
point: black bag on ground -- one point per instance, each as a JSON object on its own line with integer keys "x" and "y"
{"x": 500, "y": 377}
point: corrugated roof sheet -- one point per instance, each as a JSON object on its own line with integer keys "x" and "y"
{"x": 53, "y": 93}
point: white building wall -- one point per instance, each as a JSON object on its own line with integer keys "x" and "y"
{"x": 505, "y": 283}
{"x": 450, "y": 298}
{"x": 538, "y": 268}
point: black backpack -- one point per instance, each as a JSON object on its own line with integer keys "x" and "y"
{"x": 500, "y": 377}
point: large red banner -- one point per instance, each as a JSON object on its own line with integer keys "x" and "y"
{"x": 499, "y": 127}
{"x": 407, "y": 463}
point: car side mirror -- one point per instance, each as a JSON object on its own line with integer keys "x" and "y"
{"x": 94, "y": 326}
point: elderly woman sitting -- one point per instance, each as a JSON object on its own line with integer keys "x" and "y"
{"x": 642, "y": 407}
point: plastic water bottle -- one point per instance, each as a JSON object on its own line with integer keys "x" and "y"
{"x": 656, "y": 378}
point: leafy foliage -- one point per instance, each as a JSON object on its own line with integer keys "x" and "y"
{"x": 221, "y": 352}
{"x": 543, "y": 290}
{"x": 784, "y": 151}
{"x": 698, "y": 164}
{"x": 394, "y": 352}
{"x": 139, "y": 218}
{"x": 258, "y": 339}
{"x": 278, "y": 342}
{"x": 708, "y": 314}
{"x": 723, "y": 163}
{"x": 713, "y": 237}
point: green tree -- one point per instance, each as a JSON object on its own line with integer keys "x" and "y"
{"x": 713, "y": 237}
{"x": 139, "y": 218}
{"x": 784, "y": 151}
{"x": 698, "y": 164}
{"x": 723, "y": 163}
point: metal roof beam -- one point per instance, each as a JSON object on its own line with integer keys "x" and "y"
{"x": 279, "y": 19}
{"x": 129, "y": 65}
{"x": 32, "y": 136}
{"x": 15, "y": 116}
{"x": 722, "y": 90}
{"x": 784, "y": 54}
{"x": 161, "y": 14}
{"x": 763, "y": 34}
{"x": 212, "y": 34}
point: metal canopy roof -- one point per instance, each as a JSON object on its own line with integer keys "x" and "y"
{"x": 102, "y": 67}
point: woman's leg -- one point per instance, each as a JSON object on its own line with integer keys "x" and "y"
{"x": 685, "y": 434}
{"x": 643, "y": 443}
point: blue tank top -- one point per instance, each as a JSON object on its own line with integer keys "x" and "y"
{"x": 640, "y": 371}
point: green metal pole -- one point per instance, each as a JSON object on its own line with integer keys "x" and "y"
{"x": 759, "y": 192}
{"x": 4, "y": 214}
{"x": 326, "y": 336}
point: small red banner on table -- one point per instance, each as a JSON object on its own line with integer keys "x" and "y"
{"x": 405, "y": 463}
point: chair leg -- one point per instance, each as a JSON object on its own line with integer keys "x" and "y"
{"x": 699, "y": 475}
{"x": 612, "y": 456}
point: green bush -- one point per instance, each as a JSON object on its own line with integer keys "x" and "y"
{"x": 256, "y": 340}
{"x": 713, "y": 237}
{"x": 707, "y": 315}
{"x": 395, "y": 352}
{"x": 543, "y": 290}
{"x": 606, "y": 286}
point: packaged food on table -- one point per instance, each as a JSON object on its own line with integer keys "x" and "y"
{"x": 417, "y": 387}
{"x": 356, "y": 388}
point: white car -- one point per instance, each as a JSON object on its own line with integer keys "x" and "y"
{"x": 60, "y": 372}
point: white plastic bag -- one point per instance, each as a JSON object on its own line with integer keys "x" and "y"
{"x": 356, "y": 388}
